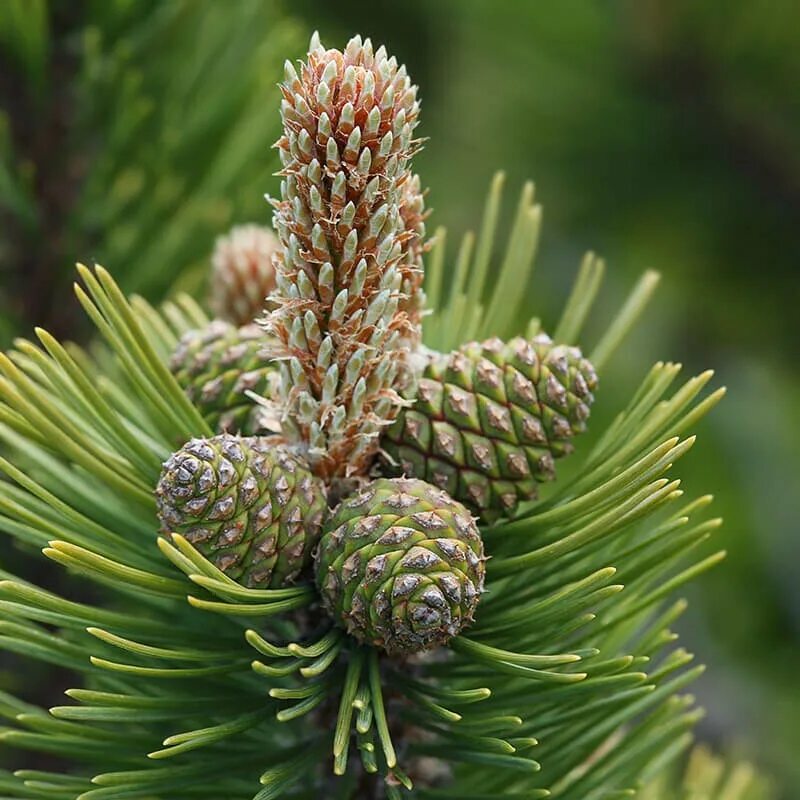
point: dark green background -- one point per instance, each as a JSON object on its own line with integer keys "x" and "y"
{"x": 660, "y": 133}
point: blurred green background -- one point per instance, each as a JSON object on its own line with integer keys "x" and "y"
{"x": 660, "y": 133}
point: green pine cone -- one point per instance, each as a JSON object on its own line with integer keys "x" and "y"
{"x": 490, "y": 419}
{"x": 250, "y": 506}
{"x": 401, "y": 565}
{"x": 216, "y": 365}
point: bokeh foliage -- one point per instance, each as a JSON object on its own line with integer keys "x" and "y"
{"x": 132, "y": 133}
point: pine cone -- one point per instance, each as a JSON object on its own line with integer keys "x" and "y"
{"x": 242, "y": 273}
{"x": 401, "y": 565}
{"x": 216, "y": 366}
{"x": 249, "y": 506}
{"x": 349, "y": 276}
{"x": 490, "y": 418}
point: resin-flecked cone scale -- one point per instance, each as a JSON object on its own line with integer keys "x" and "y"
{"x": 401, "y": 565}
{"x": 346, "y": 311}
{"x": 242, "y": 273}
{"x": 216, "y": 366}
{"x": 251, "y": 507}
{"x": 490, "y": 419}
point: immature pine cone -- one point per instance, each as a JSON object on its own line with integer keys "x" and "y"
{"x": 216, "y": 365}
{"x": 350, "y": 220}
{"x": 401, "y": 565}
{"x": 490, "y": 418}
{"x": 242, "y": 273}
{"x": 249, "y": 506}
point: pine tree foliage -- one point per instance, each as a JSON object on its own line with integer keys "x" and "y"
{"x": 709, "y": 777}
{"x": 188, "y": 685}
{"x": 133, "y": 132}
{"x": 464, "y": 308}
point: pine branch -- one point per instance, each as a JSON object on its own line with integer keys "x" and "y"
{"x": 585, "y": 665}
{"x": 199, "y": 680}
